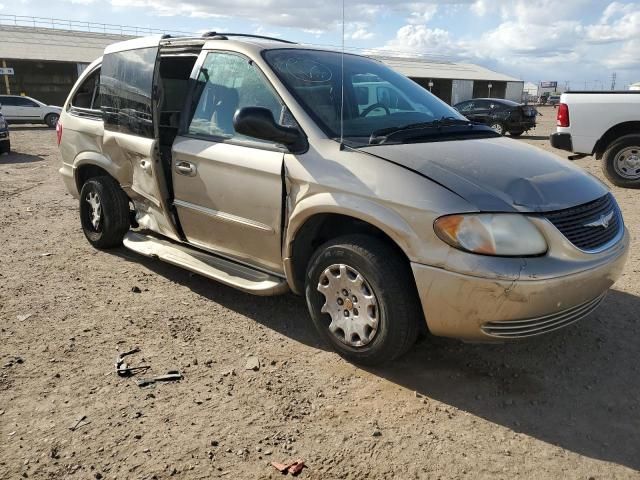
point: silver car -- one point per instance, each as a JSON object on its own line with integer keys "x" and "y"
{"x": 271, "y": 166}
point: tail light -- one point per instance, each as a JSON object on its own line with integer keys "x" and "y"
{"x": 59, "y": 131}
{"x": 563, "y": 115}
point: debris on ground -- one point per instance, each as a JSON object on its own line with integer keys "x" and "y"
{"x": 294, "y": 468}
{"x": 22, "y": 318}
{"x": 123, "y": 369}
{"x": 170, "y": 376}
{"x": 81, "y": 421}
{"x": 253, "y": 363}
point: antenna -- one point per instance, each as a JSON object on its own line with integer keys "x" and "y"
{"x": 342, "y": 83}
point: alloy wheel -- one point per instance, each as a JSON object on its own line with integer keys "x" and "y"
{"x": 351, "y": 303}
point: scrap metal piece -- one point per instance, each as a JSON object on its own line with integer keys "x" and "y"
{"x": 170, "y": 376}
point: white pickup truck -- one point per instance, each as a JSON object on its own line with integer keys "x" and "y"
{"x": 606, "y": 125}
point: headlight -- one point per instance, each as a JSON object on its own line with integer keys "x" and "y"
{"x": 3, "y": 123}
{"x": 500, "y": 234}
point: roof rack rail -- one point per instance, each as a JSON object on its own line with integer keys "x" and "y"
{"x": 262, "y": 37}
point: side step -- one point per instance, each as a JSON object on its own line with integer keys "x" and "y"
{"x": 210, "y": 266}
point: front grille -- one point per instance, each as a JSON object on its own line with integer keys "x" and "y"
{"x": 573, "y": 222}
{"x": 539, "y": 325}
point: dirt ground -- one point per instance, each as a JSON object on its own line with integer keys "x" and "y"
{"x": 565, "y": 405}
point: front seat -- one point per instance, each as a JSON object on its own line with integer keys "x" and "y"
{"x": 224, "y": 101}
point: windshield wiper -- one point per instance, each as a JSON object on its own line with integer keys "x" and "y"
{"x": 414, "y": 129}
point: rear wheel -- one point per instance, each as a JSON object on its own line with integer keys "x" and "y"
{"x": 621, "y": 162}
{"x": 362, "y": 299}
{"x": 104, "y": 212}
{"x": 51, "y": 120}
{"x": 498, "y": 127}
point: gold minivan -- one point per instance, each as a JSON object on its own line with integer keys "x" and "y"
{"x": 274, "y": 167}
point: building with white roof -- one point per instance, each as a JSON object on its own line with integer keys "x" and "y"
{"x": 46, "y": 56}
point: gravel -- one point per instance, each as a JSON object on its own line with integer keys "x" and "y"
{"x": 566, "y": 405}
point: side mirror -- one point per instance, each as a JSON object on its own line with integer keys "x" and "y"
{"x": 258, "y": 122}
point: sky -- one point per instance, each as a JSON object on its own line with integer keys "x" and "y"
{"x": 582, "y": 42}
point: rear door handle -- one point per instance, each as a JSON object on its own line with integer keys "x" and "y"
{"x": 185, "y": 168}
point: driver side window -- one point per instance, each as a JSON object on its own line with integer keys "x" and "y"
{"x": 228, "y": 82}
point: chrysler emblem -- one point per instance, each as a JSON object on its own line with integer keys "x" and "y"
{"x": 603, "y": 221}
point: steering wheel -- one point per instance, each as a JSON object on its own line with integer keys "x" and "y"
{"x": 372, "y": 107}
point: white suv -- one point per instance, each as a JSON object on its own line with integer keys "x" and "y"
{"x": 19, "y": 109}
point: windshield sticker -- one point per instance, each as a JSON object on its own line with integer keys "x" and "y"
{"x": 308, "y": 71}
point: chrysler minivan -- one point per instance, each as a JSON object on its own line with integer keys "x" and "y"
{"x": 274, "y": 167}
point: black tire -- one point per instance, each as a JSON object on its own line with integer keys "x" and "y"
{"x": 5, "y": 147}
{"x": 516, "y": 133}
{"x": 390, "y": 279}
{"x": 51, "y": 119}
{"x": 498, "y": 127}
{"x": 617, "y": 173}
{"x": 113, "y": 220}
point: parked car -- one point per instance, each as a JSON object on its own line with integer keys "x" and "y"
{"x": 5, "y": 139}
{"x": 235, "y": 160}
{"x": 504, "y": 116}
{"x": 553, "y": 100}
{"x": 20, "y": 109}
{"x": 606, "y": 125}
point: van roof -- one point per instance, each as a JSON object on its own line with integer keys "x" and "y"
{"x": 257, "y": 41}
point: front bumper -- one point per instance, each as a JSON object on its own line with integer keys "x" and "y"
{"x": 561, "y": 141}
{"x": 4, "y": 135}
{"x": 482, "y": 309}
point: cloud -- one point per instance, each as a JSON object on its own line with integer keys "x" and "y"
{"x": 422, "y": 39}
{"x": 541, "y": 32}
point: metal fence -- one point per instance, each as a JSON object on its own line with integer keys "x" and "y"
{"x": 81, "y": 26}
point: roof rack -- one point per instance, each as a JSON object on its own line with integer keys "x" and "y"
{"x": 223, "y": 36}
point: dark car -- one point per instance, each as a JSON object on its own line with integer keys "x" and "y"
{"x": 500, "y": 114}
{"x": 5, "y": 141}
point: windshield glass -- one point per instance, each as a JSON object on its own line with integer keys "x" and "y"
{"x": 375, "y": 97}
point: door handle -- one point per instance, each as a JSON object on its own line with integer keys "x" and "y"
{"x": 185, "y": 168}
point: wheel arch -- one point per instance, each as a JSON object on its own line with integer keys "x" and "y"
{"x": 611, "y": 135}
{"x": 317, "y": 220}
{"x": 92, "y": 164}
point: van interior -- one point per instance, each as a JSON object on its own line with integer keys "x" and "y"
{"x": 175, "y": 70}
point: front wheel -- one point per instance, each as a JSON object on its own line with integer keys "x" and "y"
{"x": 621, "y": 162}
{"x": 516, "y": 133}
{"x": 5, "y": 147}
{"x": 498, "y": 127}
{"x": 51, "y": 120}
{"x": 362, "y": 299}
{"x": 104, "y": 212}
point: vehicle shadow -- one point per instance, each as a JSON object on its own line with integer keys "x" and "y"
{"x": 576, "y": 388}
{"x": 532, "y": 137}
{"x": 21, "y": 128}
{"x": 16, "y": 158}
{"x": 285, "y": 314}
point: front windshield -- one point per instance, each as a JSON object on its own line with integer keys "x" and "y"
{"x": 375, "y": 97}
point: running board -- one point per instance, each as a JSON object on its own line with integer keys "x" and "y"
{"x": 224, "y": 271}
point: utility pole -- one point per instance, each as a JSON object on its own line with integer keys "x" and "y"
{"x": 613, "y": 80}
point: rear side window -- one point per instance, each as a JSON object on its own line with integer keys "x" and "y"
{"x": 18, "y": 102}
{"x": 126, "y": 84}
{"x": 9, "y": 101}
{"x": 87, "y": 97}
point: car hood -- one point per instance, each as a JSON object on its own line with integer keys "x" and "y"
{"x": 497, "y": 174}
